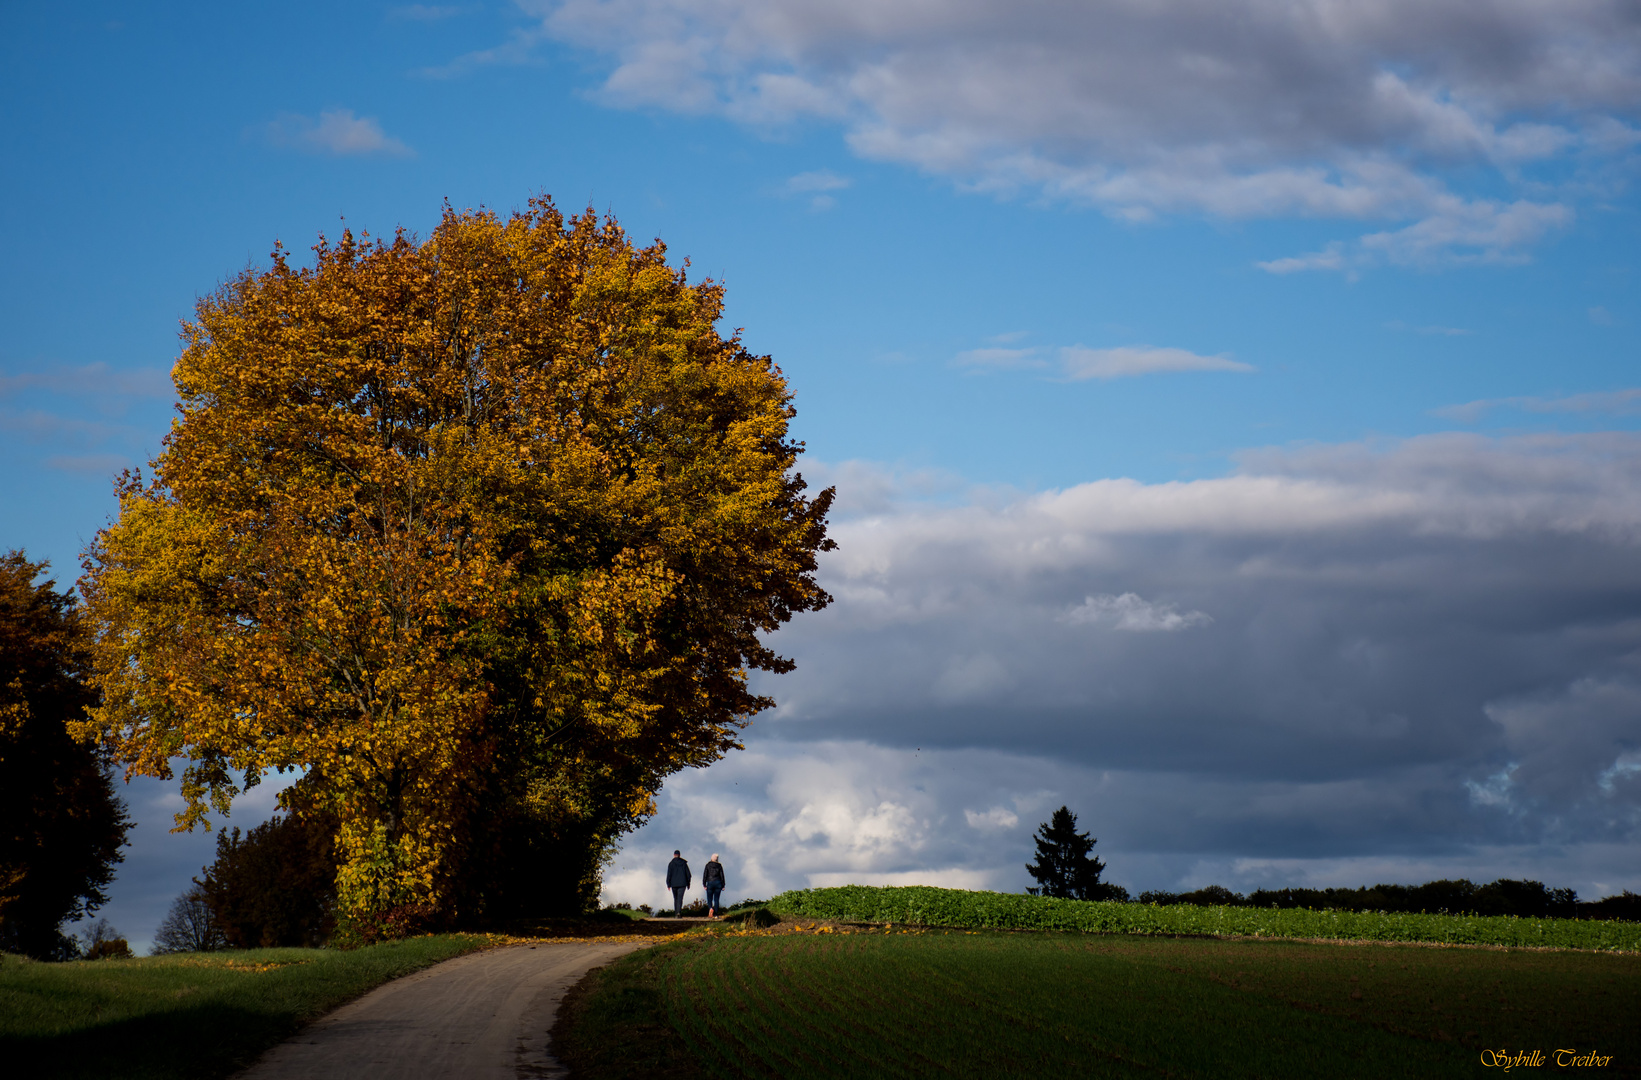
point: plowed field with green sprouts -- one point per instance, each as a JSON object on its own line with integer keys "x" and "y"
{"x": 809, "y": 1000}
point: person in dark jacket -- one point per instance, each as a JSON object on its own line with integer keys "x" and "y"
{"x": 712, "y": 879}
{"x": 678, "y": 879}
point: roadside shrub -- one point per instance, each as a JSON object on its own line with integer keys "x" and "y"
{"x": 400, "y": 921}
{"x": 103, "y": 942}
{"x": 112, "y": 949}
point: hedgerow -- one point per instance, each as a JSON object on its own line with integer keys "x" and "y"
{"x": 924, "y": 905}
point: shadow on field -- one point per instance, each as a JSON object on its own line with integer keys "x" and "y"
{"x": 206, "y": 1040}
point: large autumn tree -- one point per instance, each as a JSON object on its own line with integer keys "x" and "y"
{"x": 478, "y": 533}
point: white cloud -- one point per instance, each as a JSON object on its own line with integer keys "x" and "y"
{"x": 823, "y": 180}
{"x": 517, "y": 50}
{"x": 954, "y": 877}
{"x": 1080, "y": 362}
{"x": 1130, "y": 612}
{"x": 1475, "y": 232}
{"x": 92, "y": 380}
{"x": 337, "y": 133}
{"x": 1331, "y": 257}
{"x": 1454, "y": 232}
{"x": 1155, "y": 829}
{"x": 1249, "y": 109}
{"x": 816, "y": 185}
{"x": 1613, "y": 402}
{"x": 788, "y": 815}
{"x": 998, "y": 817}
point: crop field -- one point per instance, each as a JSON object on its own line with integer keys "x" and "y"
{"x": 927, "y": 906}
{"x": 826, "y": 1001}
{"x": 189, "y": 1015}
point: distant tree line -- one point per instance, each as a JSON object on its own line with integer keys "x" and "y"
{"x": 1525, "y": 899}
{"x": 1066, "y": 868}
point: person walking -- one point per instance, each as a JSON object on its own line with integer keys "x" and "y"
{"x": 678, "y": 879}
{"x": 712, "y": 879}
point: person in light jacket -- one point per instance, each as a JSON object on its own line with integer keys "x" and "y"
{"x": 712, "y": 879}
{"x": 678, "y": 879}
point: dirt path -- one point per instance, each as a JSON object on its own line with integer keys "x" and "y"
{"x": 483, "y": 1016}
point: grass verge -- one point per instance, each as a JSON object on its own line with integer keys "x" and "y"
{"x": 193, "y": 1015}
{"x": 613, "y": 1024}
{"x": 927, "y": 906}
{"x": 848, "y": 1002}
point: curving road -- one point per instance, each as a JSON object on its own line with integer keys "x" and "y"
{"x": 483, "y": 1016}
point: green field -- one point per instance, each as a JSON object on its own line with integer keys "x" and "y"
{"x": 837, "y": 1003}
{"x": 928, "y": 906}
{"x": 191, "y": 1015}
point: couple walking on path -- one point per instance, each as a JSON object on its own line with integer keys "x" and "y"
{"x": 712, "y": 880}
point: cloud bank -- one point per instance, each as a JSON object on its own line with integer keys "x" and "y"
{"x": 1338, "y": 664}
{"x": 1261, "y": 108}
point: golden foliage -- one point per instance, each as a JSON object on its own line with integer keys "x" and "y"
{"x": 497, "y": 516}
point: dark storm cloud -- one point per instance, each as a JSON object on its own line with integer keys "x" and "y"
{"x": 1325, "y": 616}
{"x": 1339, "y": 665}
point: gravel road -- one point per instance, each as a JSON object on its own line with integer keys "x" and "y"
{"x": 483, "y": 1016}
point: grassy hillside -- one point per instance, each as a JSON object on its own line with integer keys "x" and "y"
{"x": 190, "y": 1015}
{"x": 925, "y": 906}
{"x": 836, "y": 1002}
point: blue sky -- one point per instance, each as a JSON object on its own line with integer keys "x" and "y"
{"x": 1349, "y": 298}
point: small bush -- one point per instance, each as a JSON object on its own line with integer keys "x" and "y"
{"x": 405, "y": 920}
{"x": 759, "y": 917}
{"x": 103, "y": 942}
{"x": 112, "y": 949}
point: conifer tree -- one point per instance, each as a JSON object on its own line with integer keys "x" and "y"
{"x": 1065, "y": 865}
